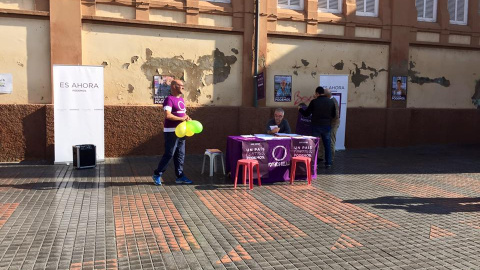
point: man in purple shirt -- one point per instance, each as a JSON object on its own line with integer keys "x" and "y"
{"x": 175, "y": 113}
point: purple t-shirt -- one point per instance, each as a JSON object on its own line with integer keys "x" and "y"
{"x": 304, "y": 124}
{"x": 176, "y": 105}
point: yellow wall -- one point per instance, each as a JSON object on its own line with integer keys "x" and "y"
{"x": 359, "y": 61}
{"x": 114, "y": 11}
{"x": 460, "y": 67}
{"x": 25, "y": 53}
{"x": 129, "y": 69}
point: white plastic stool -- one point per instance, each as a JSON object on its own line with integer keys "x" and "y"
{"x": 212, "y": 154}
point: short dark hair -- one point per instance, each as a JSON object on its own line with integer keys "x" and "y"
{"x": 399, "y": 81}
{"x": 320, "y": 90}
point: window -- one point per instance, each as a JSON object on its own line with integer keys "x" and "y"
{"x": 331, "y": 6}
{"x": 291, "y": 4}
{"x": 367, "y": 8}
{"x": 458, "y": 10}
{"x": 426, "y": 10}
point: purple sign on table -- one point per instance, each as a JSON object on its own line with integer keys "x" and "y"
{"x": 256, "y": 150}
{"x": 278, "y": 165}
{"x": 303, "y": 147}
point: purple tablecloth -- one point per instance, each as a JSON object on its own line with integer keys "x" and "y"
{"x": 275, "y": 164}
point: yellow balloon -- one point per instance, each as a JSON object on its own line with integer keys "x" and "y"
{"x": 181, "y": 130}
{"x": 189, "y": 133}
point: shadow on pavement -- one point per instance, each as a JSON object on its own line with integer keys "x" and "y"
{"x": 423, "y": 205}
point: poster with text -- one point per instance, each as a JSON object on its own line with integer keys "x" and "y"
{"x": 260, "y": 86}
{"x": 78, "y": 110}
{"x": 399, "y": 88}
{"x": 283, "y": 88}
{"x": 6, "y": 83}
{"x": 161, "y": 88}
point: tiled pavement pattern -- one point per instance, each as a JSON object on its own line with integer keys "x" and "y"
{"x": 402, "y": 208}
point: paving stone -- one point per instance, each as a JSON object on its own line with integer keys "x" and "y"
{"x": 396, "y": 208}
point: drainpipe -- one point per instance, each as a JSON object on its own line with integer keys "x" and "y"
{"x": 255, "y": 73}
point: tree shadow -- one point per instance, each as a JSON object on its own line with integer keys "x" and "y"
{"x": 439, "y": 206}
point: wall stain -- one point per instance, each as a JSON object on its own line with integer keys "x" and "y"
{"x": 358, "y": 77}
{"x": 126, "y": 65}
{"x": 262, "y": 61}
{"x": 105, "y": 63}
{"x": 414, "y": 78}
{"x": 130, "y": 88}
{"x": 314, "y": 73}
{"x": 476, "y": 95}
{"x": 134, "y": 59}
{"x": 295, "y": 72}
{"x": 305, "y": 62}
{"x": 198, "y": 73}
{"x": 235, "y": 51}
{"x": 339, "y": 65}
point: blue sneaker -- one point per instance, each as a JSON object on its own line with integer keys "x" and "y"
{"x": 157, "y": 179}
{"x": 183, "y": 180}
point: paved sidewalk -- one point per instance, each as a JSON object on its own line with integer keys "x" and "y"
{"x": 402, "y": 208}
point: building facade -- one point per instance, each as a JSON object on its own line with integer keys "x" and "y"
{"x": 433, "y": 45}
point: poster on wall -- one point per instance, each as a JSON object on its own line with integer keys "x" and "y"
{"x": 399, "y": 88}
{"x": 260, "y": 86}
{"x": 6, "y": 83}
{"x": 338, "y": 85}
{"x": 161, "y": 88}
{"x": 283, "y": 88}
{"x": 78, "y": 93}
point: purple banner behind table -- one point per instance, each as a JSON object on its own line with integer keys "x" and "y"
{"x": 304, "y": 124}
{"x": 258, "y": 151}
{"x": 303, "y": 147}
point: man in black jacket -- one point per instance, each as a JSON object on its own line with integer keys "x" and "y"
{"x": 323, "y": 111}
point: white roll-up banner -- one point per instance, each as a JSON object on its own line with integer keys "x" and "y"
{"x": 78, "y": 110}
{"x": 338, "y": 85}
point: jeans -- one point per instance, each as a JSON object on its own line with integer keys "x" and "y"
{"x": 174, "y": 147}
{"x": 324, "y": 133}
{"x": 333, "y": 141}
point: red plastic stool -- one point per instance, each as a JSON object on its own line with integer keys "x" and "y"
{"x": 248, "y": 165}
{"x": 307, "y": 162}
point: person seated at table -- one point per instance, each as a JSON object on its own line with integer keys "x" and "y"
{"x": 278, "y": 124}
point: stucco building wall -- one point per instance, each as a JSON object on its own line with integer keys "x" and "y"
{"x": 442, "y": 78}
{"x": 209, "y": 63}
{"x": 210, "y": 45}
{"x": 25, "y": 53}
{"x": 305, "y": 60}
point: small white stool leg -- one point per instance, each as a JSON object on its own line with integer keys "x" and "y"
{"x": 203, "y": 166}
{"x": 223, "y": 164}
{"x": 212, "y": 161}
